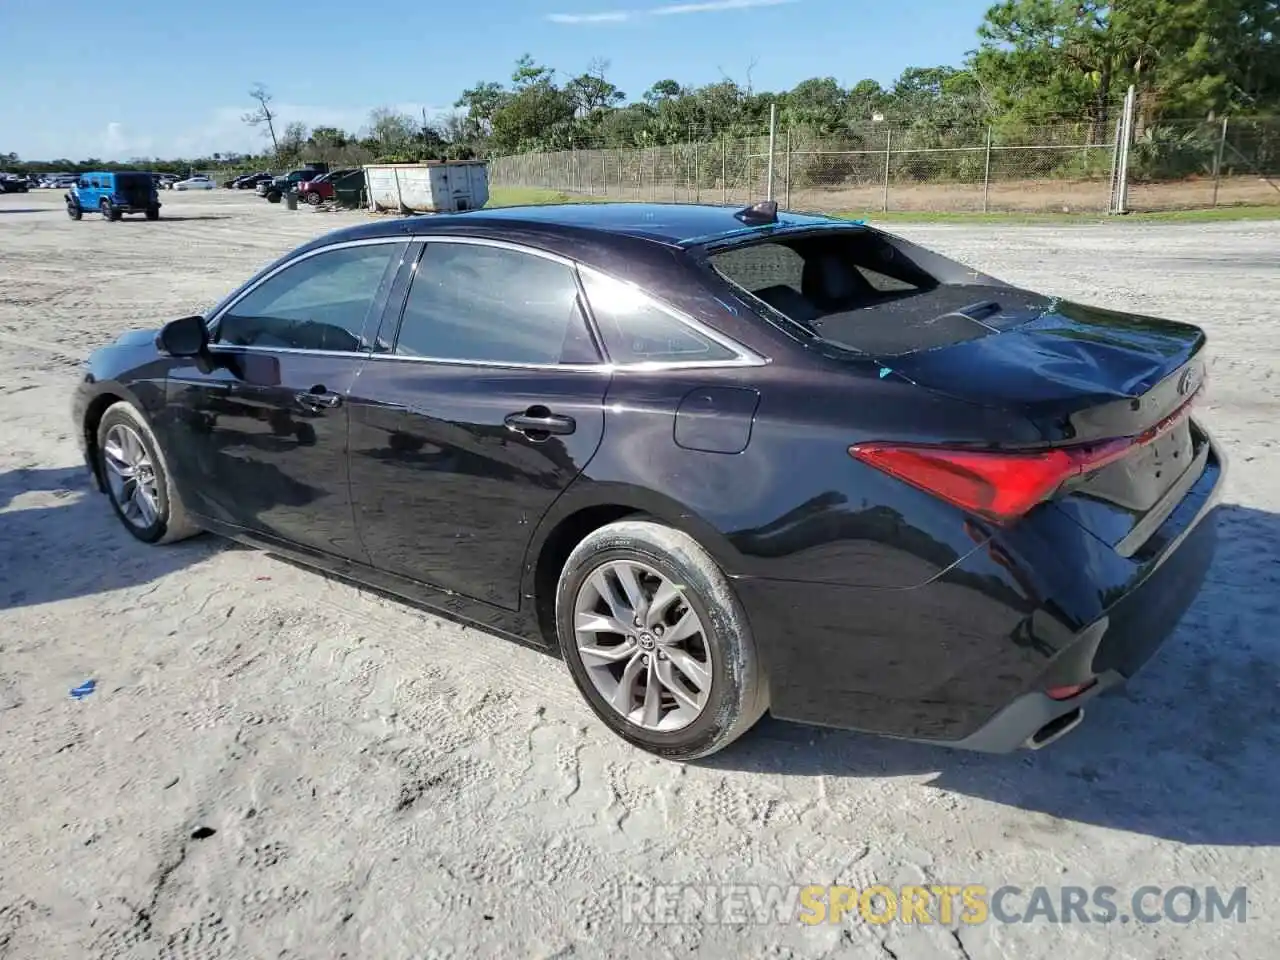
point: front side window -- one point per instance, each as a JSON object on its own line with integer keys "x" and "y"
{"x": 636, "y": 330}
{"x": 321, "y": 302}
{"x": 480, "y": 303}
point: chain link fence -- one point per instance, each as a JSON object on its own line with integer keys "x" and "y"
{"x": 1064, "y": 167}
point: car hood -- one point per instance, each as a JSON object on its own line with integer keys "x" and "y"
{"x": 136, "y": 338}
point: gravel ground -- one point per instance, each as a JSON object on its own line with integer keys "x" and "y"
{"x": 277, "y": 765}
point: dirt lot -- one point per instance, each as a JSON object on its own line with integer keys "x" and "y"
{"x": 277, "y": 765}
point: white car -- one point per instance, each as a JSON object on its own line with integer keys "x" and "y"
{"x": 194, "y": 183}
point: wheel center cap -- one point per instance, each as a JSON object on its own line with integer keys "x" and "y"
{"x": 647, "y": 641}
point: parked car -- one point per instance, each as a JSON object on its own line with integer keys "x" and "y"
{"x": 198, "y": 182}
{"x": 248, "y": 180}
{"x": 113, "y": 195}
{"x": 726, "y": 462}
{"x": 316, "y": 191}
{"x": 165, "y": 181}
{"x": 275, "y": 189}
{"x": 11, "y": 183}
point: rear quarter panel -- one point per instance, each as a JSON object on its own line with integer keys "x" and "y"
{"x": 792, "y": 505}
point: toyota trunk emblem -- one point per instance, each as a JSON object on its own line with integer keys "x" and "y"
{"x": 1188, "y": 382}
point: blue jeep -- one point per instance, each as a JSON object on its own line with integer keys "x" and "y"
{"x": 113, "y": 195}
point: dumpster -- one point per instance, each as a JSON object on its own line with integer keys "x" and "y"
{"x": 349, "y": 191}
{"x": 444, "y": 187}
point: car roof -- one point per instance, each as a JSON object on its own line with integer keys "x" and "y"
{"x": 678, "y": 224}
{"x": 672, "y": 224}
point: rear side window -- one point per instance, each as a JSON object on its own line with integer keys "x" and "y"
{"x": 637, "y": 330}
{"x": 477, "y": 303}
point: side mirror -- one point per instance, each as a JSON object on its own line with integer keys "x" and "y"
{"x": 184, "y": 337}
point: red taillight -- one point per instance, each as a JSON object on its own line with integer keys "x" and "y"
{"x": 999, "y": 486}
{"x": 1069, "y": 691}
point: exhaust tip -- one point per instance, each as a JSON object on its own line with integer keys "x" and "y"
{"x": 1055, "y": 729}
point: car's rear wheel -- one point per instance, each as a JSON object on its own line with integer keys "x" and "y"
{"x": 153, "y": 213}
{"x": 137, "y": 478}
{"x": 314, "y": 199}
{"x": 657, "y": 641}
{"x": 107, "y": 211}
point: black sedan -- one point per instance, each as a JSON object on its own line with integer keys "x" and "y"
{"x": 727, "y": 461}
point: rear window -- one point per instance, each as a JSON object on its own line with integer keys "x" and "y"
{"x": 845, "y": 287}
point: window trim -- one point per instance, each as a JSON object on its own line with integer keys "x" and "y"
{"x": 393, "y": 308}
{"x": 215, "y": 318}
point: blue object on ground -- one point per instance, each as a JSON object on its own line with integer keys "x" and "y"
{"x": 82, "y": 691}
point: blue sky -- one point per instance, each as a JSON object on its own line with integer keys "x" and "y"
{"x": 92, "y": 79}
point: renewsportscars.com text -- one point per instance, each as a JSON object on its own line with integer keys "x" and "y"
{"x": 944, "y": 904}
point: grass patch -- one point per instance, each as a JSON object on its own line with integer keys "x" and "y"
{"x": 1213, "y": 214}
{"x": 523, "y": 196}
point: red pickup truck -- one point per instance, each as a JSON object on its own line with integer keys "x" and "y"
{"x": 321, "y": 188}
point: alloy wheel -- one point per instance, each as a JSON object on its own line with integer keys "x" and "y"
{"x": 131, "y": 476}
{"x": 643, "y": 646}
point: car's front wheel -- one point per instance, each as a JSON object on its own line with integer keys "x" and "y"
{"x": 73, "y": 210}
{"x": 657, "y": 641}
{"x": 136, "y": 475}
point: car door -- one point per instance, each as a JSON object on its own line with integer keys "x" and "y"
{"x": 258, "y": 433}
{"x": 473, "y": 414}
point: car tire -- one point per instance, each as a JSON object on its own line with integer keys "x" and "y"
{"x": 153, "y": 213}
{"x": 667, "y": 563}
{"x": 314, "y": 199}
{"x": 273, "y": 196}
{"x": 107, "y": 211}
{"x": 73, "y": 210}
{"x": 122, "y": 428}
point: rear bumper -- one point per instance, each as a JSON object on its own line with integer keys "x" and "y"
{"x": 964, "y": 660}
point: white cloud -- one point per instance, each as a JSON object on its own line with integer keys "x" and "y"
{"x": 675, "y": 9}
{"x": 607, "y": 16}
{"x": 714, "y": 6}
{"x": 223, "y": 130}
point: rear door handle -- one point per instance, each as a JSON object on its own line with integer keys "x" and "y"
{"x": 534, "y": 421}
{"x": 318, "y": 400}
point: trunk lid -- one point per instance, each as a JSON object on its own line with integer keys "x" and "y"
{"x": 1082, "y": 375}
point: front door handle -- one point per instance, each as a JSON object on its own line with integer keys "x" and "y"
{"x": 538, "y": 423}
{"x": 318, "y": 399}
